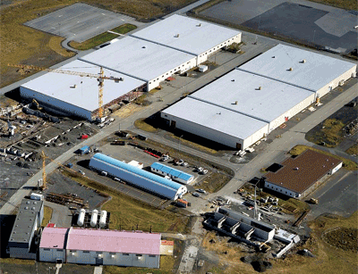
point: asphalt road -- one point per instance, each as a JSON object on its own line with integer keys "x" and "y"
{"x": 338, "y": 195}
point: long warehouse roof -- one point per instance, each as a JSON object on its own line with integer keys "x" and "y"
{"x": 252, "y": 95}
{"x": 186, "y": 34}
{"x": 215, "y": 118}
{"x": 53, "y": 237}
{"x": 138, "y": 58}
{"x": 82, "y": 91}
{"x": 137, "y": 176}
{"x": 310, "y": 70}
{"x": 114, "y": 241}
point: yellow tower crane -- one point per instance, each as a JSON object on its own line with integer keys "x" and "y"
{"x": 44, "y": 183}
{"x": 100, "y": 78}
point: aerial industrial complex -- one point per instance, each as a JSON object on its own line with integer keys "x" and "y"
{"x": 248, "y": 103}
{"x": 180, "y": 138}
{"x": 142, "y": 61}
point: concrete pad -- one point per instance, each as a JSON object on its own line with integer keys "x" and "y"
{"x": 79, "y": 22}
{"x": 338, "y": 23}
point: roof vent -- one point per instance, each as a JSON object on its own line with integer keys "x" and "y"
{"x": 236, "y": 102}
{"x": 233, "y": 80}
{"x": 26, "y": 207}
{"x": 290, "y": 69}
{"x": 259, "y": 88}
{"x": 274, "y": 56}
{"x": 177, "y": 36}
{"x": 33, "y": 208}
{"x": 28, "y": 202}
{"x": 144, "y": 47}
{"x": 303, "y": 61}
{"x": 198, "y": 25}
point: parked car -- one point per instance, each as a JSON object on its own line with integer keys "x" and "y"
{"x": 200, "y": 190}
{"x": 180, "y": 162}
{"x": 164, "y": 158}
{"x": 204, "y": 171}
{"x": 81, "y": 172}
{"x": 195, "y": 194}
{"x": 184, "y": 164}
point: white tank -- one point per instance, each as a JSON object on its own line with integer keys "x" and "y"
{"x": 81, "y": 217}
{"x": 103, "y": 218}
{"x": 94, "y": 218}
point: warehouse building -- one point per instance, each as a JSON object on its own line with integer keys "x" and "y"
{"x": 190, "y": 35}
{"x": 249, "y": 102}
{"x": 27, "y": 222}
{"x": 172, "y": 173}
{"x": 302, "y": 68}
{"x": 109, "y": 247}
{"x": 137, "y": 177}
{"x": 78, "y": 96}
{"x": 300, "y": 175}
{"x": 53, "y": 245}
{"x": 143, "y": 60}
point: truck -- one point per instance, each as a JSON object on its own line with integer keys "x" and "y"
{"x": 182, "y": 203}
{"x": 313, "y": 201}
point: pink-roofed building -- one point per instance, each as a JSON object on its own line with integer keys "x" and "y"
{"x": 111, "y": 247}
{"x": 53, "y": 244}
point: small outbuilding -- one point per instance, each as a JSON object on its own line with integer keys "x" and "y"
{"x": 173, "y": 173}
{"x": 53, "y": 244}
{"x": 300, "y": 175}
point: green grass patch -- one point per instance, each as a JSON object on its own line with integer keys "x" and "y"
{"x": 353, "y": 150}
{"x": 330, "y": 134}
{"x": 141, "y": 124}
{"x": 102, "y": 38}
{"x": 15, "y": 261}
{"x": 127, "y": 213}
{"x": 47, "y": 216}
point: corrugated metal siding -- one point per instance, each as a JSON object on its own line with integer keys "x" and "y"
{"x": 137, "y": 176}
{"x": 172, "y": 171}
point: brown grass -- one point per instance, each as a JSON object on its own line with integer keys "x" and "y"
{"x": 353, "y": 150}
{"x": 127, "y": 213}
{"x": 344, "y": 4}
{"x": 328, "y": 258}
{"x": 47, "y": 215}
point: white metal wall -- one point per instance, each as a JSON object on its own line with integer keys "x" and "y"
{"x": 204, "y": 56}
{"x": 292, "y": 112}
{"x": 333, "y": 84}
{"x": 282, "y": 190}
{"x": 109, "y": 258}
{"x": 214, "y": 135}
{"x": 54, "y": 103}
{"x": 338, "y": 167}
{"x": 153, "y": 83}
{"x": 52, "y": 254}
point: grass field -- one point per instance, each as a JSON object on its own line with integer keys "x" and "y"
{"x": 353, "y": 150}
{"x": 102, "y": 38}
{"x": 47, "y": 215}
{"x": 347, "y": 164}
{"x": 344, "y": 4}
{"x": 127, "y": 213}
{"x": 21, "y": 44}
{"x": 331, "y": 133}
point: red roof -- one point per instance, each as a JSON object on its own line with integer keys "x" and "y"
{"x": 51, "y": 225}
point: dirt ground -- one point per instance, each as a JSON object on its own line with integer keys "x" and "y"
{"x": 21, "y": 44}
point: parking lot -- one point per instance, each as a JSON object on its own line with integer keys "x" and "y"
{"x": 79, "y": 22}
{"x": 302, "y": 21}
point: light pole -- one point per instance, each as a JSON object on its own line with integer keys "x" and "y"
{"x": 179, "y": 142}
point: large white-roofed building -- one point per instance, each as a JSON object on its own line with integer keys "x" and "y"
{"x": 143, "y": 60}
{"x": 257, "y": 97}
{"x": 74, "y": 95}
{"x": 248, "y": 103}
{"x": 302, "y": 68}
{"x": 215, "y": 123}
{"x": 190, "y": 35}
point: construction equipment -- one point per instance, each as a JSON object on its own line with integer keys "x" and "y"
{"x": 36, "y": 104}
{"x": 100, "y": 78}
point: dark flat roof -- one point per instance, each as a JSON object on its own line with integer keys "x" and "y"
{"x": 298, "y": 174}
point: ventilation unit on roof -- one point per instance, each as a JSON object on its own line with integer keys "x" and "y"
{"x": 176, "y": 36}
{"x": 198, "y": 25}
{"x": 233, "y": 80}
{"x": 259, "y": 88}
{"x": 303, "y": 61}
{"x": 236, "y": 102}
{"x": 143, "y": 47}
{"x": 290, "y": 69}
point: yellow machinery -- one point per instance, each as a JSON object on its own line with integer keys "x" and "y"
{"x": 100, "y": 78}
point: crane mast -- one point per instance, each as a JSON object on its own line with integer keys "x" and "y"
{"x": 100, "y": 78}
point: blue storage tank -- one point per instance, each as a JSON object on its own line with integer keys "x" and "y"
{"x": 137, "y": 176}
